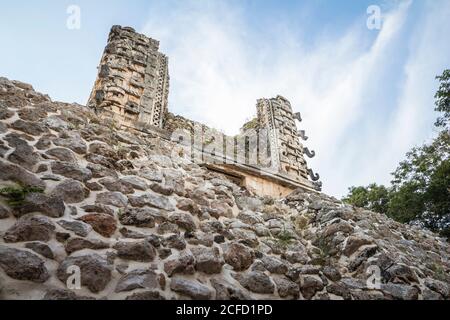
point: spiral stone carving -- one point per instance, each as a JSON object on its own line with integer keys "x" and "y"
{"x": 310, "y": 154}
{"x": 313, "y": 176}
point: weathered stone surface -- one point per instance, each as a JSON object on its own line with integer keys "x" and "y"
{"x": 162, "y": 189}
{"x": 135, "y": 182}
{"x": 142, "y": 217}
{"x": 183, "y": 264}
{"x": 332, "y": 273}
{"x": 103, "y": 149}
{"x": 257, "y": 282}
{"x": 5, "y": 113}
{"x": 98, "y": 208}
{"x": 192, "y": 289}
{"x": 361, "y": 257}
{"x": 309, "y": 286}
{"x": 354, "y": 243}
{"x": 250, "y": 217}
{"x": 151, "y": 175}
{"x": 340, "y": 290}
{"x": 77, "y": 244}
{"x": 62, "y": 154}
{"x": 31, "y": 128}
{"x": 99, "y": 171}
{"x": 117, "y": 185}
{"x": 201, "y": 196}
{"x": 438, "y": 286}
{"x": 130, "y": 234}
{"x": 187, "y": 205}
{"x": 354, "y": 283}
{"x": 295, "y": 272}
{"x": 94, "y": 186}
{"x": 11, "y": 172}
{"x": 146, "y": 296}
{"x": 3, "y": 148}
{"x": 400, "y": 291}
{"x": 400, "y": 274}
{"x": 286, "y": 287}
{"x": 137, "y": 251}
{"x": 175, "y": 181}
{"x": 428, "y": 294}
{"x": 30, "y": 228}
{"x": 23, "y": 153}
{"x": 151, "y": 200}
{"x": 239, "y": 256}
{"x": 32, "y": 114}
{"x": 44, "y": 142}
{"x": 70, "y": 170}
{"x": 199, "y": 238}
{"x": 343, "y": 226}
{"x": 62, "y": 237}
{"x": 274, "y": 265}
{"x": 50, "y": 206}
{"x": 248, "y": 203}
{"x": 228, "y": 291}
{"x": 79, "y": 228}
{"x": 23, "y": 265}
{"x": 175, "y": 241}
{"x": 183, "y": 220}
{"x": 208, "y": 260}
{"x": 164, "y": 253}
{"x": 95, "y": 271}
{"x": 220, "y": 209}
{"x": 102, "y": 223}
{"x": 4, "y": 212}
{"x": 56, "y": 123}
{"x": 73, "y": 141}
{"x": 115, "y": 199}
{"x": 71, "y": 191}
{"x": 138, "y": 279}
{"x": 167, "y": 227}
{"x": 40, "y": 248}
{"x": 63, "y": 295}
{"x": 364, "y": 295}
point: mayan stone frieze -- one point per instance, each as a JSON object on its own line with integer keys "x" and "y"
{"x": 133, "y": 80}
{"x": 133, "y": 87}
{"x": 287, "y": 152}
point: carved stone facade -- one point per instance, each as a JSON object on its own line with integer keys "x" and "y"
{"x": 133, "y": 79}
{"x": 133, "y": 87}
{"x": 286, "y": 150}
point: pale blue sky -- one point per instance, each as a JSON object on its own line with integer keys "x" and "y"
{"x": 366, "y": 95}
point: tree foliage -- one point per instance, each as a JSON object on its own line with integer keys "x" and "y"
{"x": 420, "y": 189}
{"x": 443, "y": 99}
{"x": 373, "y": 197}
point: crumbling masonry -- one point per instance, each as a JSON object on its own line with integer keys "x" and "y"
{"x": 133, "y": 79}
{"x": 133, "y": 87}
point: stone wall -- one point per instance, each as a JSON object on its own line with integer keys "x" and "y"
{"x": 142, "y": 222}
{"x": 133, "y": 87}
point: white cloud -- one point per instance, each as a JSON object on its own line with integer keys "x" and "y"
{"x": 220, "y": 65}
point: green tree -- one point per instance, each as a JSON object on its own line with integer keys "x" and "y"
{"x": 420, "y": 189}
{"x": 421, "y": 185}
{"x": 443, "y": 99}
{"x": 373, "y": 197}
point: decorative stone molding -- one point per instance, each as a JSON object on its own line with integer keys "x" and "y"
{"x": 133, "y": 80}
{"x": 133, "y": 87}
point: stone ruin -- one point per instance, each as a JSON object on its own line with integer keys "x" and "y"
{"x": 132, "y": 87}
{"x": 133, "y": 79}
{"x": 140, "y": 222}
